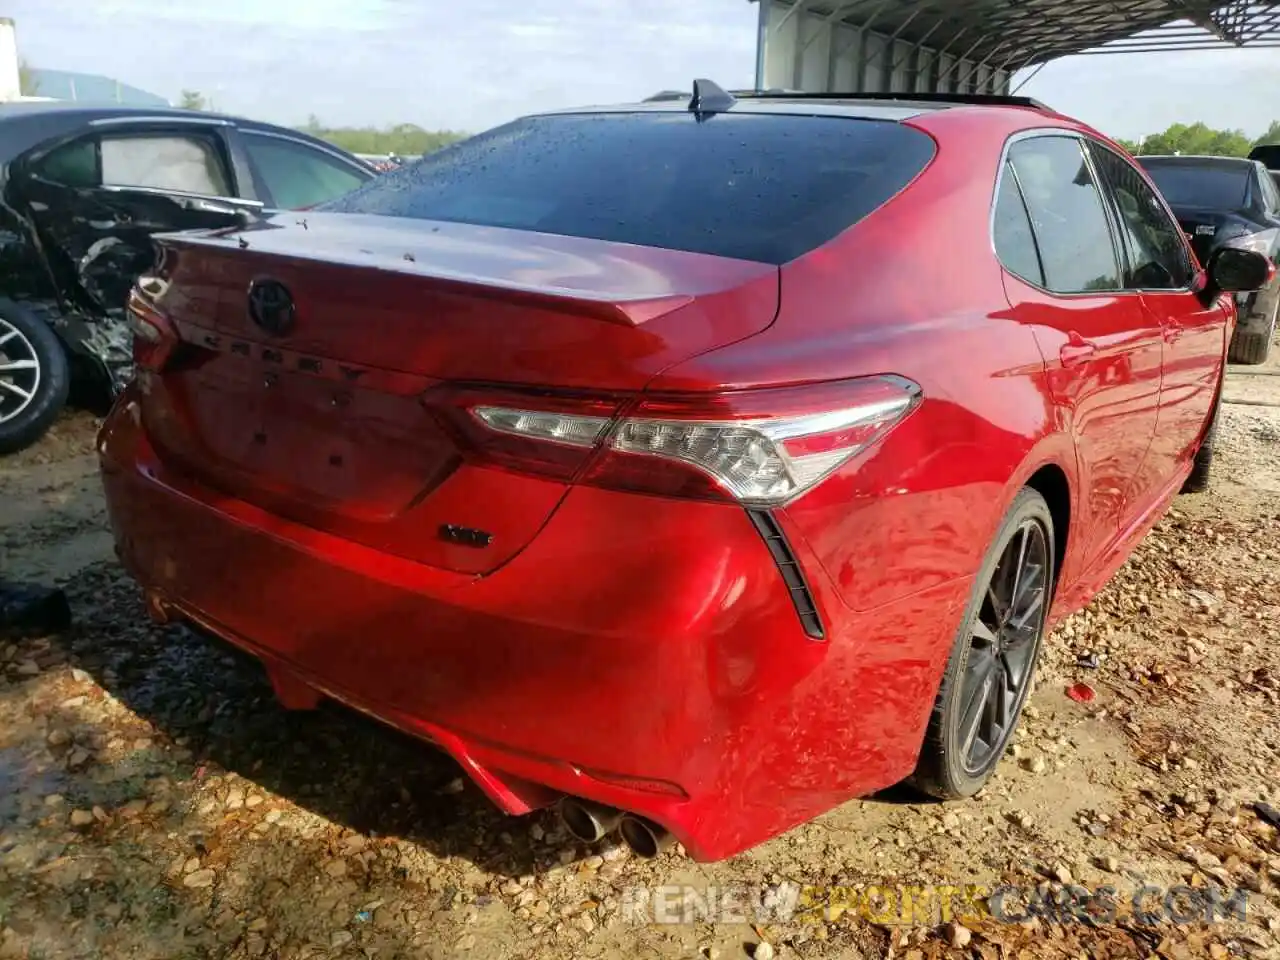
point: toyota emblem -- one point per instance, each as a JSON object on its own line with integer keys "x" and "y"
{"x": 271, "y": 306}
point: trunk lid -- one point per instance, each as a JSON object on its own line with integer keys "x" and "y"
{"x": 316, "y": 412}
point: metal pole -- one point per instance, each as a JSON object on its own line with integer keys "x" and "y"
{"x": 1029, "y": 78}
{"x": 762, "y": 39}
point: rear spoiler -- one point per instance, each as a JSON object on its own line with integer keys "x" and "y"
{"x": 629, "y": 313}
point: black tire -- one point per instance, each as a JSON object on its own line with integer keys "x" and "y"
{"x": 28, "y": 419}
{"x": 1202, "y": 465}
{"x": 944, "y": 769}
{"x": 1253, "y": 348}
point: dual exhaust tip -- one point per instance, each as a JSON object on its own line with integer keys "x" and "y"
{"x": 590, "y": 822}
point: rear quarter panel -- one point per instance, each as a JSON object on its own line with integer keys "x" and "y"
{"x": 914, "y": 290}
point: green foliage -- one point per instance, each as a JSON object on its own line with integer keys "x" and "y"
{"x": 1272, "y": 135}
{"x": 1199, "y": 139}
{"x": 193, "y": 100}
{"x": 403, "y": 139}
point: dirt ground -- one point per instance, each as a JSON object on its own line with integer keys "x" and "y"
{"x": 155, "y": 802}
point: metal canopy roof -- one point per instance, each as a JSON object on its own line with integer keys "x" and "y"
{"x": 1012, "y": 34}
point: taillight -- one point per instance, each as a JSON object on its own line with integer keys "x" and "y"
{"x": 758, "y": 447}
{"x": 550, "y": 435}
{"x": 154, "y": 338}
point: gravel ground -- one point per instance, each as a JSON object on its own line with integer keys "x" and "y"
{"x": 155, "y": 802}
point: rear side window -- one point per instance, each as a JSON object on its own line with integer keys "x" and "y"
{"x": 1015, "y": 243}
{"x": 749, "y": 186}
{"x": 188, "y": 164}
{"x": 1212, "y": 185}
{"x": 1076, "y": 246}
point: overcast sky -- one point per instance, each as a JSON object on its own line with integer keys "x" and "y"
{"x": 470, "y": 64}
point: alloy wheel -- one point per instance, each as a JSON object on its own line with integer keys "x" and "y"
{"x": 19, "y": 371}
{"x": 1003, "y": 646}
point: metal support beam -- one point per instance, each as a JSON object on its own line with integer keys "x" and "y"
{"x": 989, "y": 39}
{"x": 797, "y": 6}
{"x": 762, "y": 39}
{"x": 834, "y": 23}
{"x": 887, "y": 58}
{"x": 962, "y": 58}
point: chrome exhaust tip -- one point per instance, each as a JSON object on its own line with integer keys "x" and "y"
{"x": 158, "y": 610}
{"x": 645, "y": 838}
{"x": 588, "y": 821}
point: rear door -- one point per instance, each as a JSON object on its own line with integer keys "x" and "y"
{"x": 1103, "y": 350}
{"x": 98, "y": 198}
{"x": 1161, "y": 269}
{"x": 293, "y": 174}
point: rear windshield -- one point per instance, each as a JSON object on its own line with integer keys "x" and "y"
{"x": 1216, "y": 186}
{"x": 755, "y": 187}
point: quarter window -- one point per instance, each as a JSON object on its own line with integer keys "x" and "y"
{"x": 1157, "y": 254}
{"x": 1077, "y": 249}
{"x": 1015, "y": 243}
{"x": 73, "y": 164}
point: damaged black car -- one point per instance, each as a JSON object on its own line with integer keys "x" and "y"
{"x": 82, "y": 191}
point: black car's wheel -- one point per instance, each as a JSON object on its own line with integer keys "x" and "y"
{"x": 34, "y": 376}
{"x": 1254, "y": 346}
{"x": 993, "y": 659}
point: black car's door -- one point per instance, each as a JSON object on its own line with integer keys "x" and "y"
{"x": 98, "y": 197}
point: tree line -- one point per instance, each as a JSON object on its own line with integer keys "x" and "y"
{"x": 402, "y": 139}
{"x": 410, "y": 140}
{"x": 1199, "y": 139}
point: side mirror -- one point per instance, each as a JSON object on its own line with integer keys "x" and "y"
{"x": 1239, "y": 271}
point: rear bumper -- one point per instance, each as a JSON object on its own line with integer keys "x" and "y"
{"x": 640, "y": 652}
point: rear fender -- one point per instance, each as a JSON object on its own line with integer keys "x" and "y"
{"x": 1058, "y": 451}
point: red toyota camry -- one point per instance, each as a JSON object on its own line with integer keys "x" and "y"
{"x": 698, "y": 465}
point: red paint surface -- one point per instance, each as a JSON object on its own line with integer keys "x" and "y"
{"x": 636, "y": 649}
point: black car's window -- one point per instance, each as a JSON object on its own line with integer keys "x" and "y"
{"x": 1213, "y": 185}
{"x": 1270, "y": 192}
{"x": 750, "y": 186}
{"x": 297, "y": 175}
{"x": 185, "y": 163}
{"x": 1158, "y": 258}
{"x": 73, "y": 164}
{"x": 1015, "y": 243}
{"x": 1070, "y": 222}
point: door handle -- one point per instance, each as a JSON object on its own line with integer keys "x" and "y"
{"x": 1077, "y": 351}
